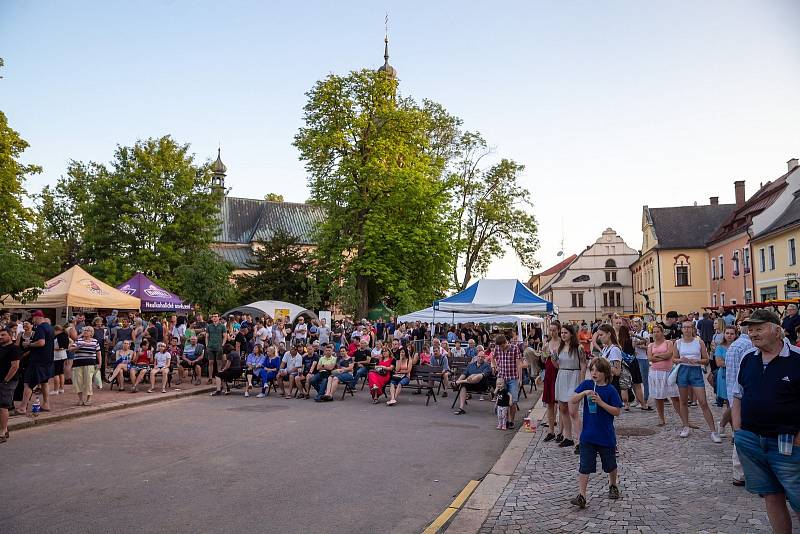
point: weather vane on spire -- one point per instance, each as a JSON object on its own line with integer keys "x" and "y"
{"x": 386, "y": 25}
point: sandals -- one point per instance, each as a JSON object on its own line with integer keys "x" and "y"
{"x": 163, "y": 390}
{"x": 459, "y": 412}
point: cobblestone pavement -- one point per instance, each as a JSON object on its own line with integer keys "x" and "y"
{"x": 668, "y": 484}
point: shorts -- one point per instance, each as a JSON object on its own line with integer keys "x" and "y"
{"x": 214, "y": 354}
{"x": 400, "y": 380}
{"x": 58, "y": 367}
{"x": 589, "y": 452}
{"x": 229, "y": 374}
{"x": 513, "y": 389}
{"x": 690, "y": 376}
{"x": 138, "y": 368}
{"x": 766, "y": 471}
{"x": 7, "y": 394}
{"x": 38, "y": 374}
{"x": 189, "y": 365}
{"x": 478, "y": 387}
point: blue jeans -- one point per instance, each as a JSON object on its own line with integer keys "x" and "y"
{"x": 644, "y": 367}
{"x": 361, "y": 372}
{"x": 766, "y": 471}
{"x": 347, "y": 378}
{"x": 319, "y": 383}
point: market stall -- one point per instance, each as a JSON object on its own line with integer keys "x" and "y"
{"x": 153, "y": 297}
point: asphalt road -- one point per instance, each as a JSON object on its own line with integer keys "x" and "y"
{"x": 205, "y": 464}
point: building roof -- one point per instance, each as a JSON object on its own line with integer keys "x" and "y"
{"x": 558, "y": 266}
{"x": 739, "y": 220}
{"x": 687, "y": 226}
{"x": 789, "y": 217}
{"x": 244, "y": 220}
{"x": 240, "y": 256}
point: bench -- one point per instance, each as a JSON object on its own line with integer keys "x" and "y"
{"x": 426, "y": 377}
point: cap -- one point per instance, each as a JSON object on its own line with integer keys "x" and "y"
{"x": 37, "y": 313}
{"x": 762, "y": 316}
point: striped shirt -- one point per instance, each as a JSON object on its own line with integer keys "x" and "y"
{"x": 733, "y": 359}
{"x": 85, "y": 352}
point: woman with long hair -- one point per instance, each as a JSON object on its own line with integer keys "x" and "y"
{"x": 612, "y": 352}
{"x": 631, "y": 364}
{"x": 549, "y": 357}
{"x": 571, "y": 371}
{"x": 691, "y": 353}
{"x": 659, "y": 352}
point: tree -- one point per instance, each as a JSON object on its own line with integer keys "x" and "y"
{"x": 205, "y": 280}
{"x": 273, "y": 197}
{"x": 283, "y": 272}
{"x": 489, "y": 212}
{"x": 17, "y": 279}
{"x": 152, "y": 209}
{"x": 375, "y": 162}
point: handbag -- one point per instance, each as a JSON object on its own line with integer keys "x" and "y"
{"x": 672, "y": 379}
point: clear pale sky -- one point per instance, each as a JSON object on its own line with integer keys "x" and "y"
{"x": 610, "y": 105}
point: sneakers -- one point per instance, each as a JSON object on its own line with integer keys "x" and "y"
{"x": 549, "y": 437}
{"x": 684, "y": 432}
{"x": 566, "y": 443}
{"x": 721, "y": 429}
{"x": 260, "y": 396}
{"x": 715, "y": 437}
{"x": 613, "y": 492}
{"x": 246, "y": 393}
{"x": 559, "y": 438}
{"x": 579, "y": 501}
{"x": 216, "y": 393}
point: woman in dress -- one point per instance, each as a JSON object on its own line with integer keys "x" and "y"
{"x": 571, "y": 370}
{"x": 691, "y": 353}
{"x": 659, "y": 353}
{"x": 380, "y": 375}
{"x": 729, "y": 336}
{"x": 122, "y": 364}
{"x": 549, "y": 357}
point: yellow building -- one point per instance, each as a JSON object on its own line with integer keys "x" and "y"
{"x": 776, "y": 237}
{"x": 672, "y": 271}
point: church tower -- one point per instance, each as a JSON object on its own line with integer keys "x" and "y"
{"x": 218, "y": 170}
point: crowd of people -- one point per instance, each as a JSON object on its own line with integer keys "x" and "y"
{"x": 589, "y": 373}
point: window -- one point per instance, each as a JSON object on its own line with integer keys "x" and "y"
{"x": 748, "y": 296}
{"x": 769, "y": 293}
{"x": 722, "y": 299}
{"x": 733, "y": 302}
{"x": 792, "y": 252}
{"x": 721, "y": 267}
{"x": 605, "y": 299}
{"x": 746, "y": 252}
{"x": 714, "y": 300}
{"x": 611, "y": 276}
{"x": 610, "y": 263}
{"x": 771, "y": 257}
{"x": 682, "y": 276}
{"x": 619, "y": 299}
{"x": 762, "y": 262}
{"x": 713, "y": 268}
{"x": 577, "y": 300}
{"x": 735, "y": 263}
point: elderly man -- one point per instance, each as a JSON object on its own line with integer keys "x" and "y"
{"x": 192, "y": 358}
{"x": 766, "y": 417}
{"x": 474, "y": 378}
{"x": 733, "y": 359}
{"x": 791, "y": 322}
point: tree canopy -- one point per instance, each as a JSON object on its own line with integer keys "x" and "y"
{"x": 375, "y": 162}
{"x": 205, "y": 280}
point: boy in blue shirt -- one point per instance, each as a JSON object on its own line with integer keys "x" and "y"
{"x": 602, "y": 404}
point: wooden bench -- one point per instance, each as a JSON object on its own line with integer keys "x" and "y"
{"x": 426, "y": 377}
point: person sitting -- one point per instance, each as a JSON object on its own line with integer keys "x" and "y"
{"x": 291, "y": 364}
{"x": 175, "y": 352}
{"x": 363, "y": 359}
{"x": 439, "y": 359}
{"x": 400, "y": 378}
{"x": 231, "y": 369}
{"x": 458, "y": 351}
{"x": 380, "y": 375}
{"x": 253, "y": 365}
{"x": 192, "y": 358}
{"x": 301, "y": 381}
{"x": 122, "y": 364}
{"x": 141, "y": 364}
{"x": 162, "y": 360}
{"x": 268, "y": 374}
{"x": 342, "y": 373}
{"x": 474, "y": 378}
{"x": 325, "y": 365}
{"x": 424, "y": 355}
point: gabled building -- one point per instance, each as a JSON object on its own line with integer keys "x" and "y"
{"x": 774, "y": 243}
{"x": 538, "y": 281}
{"x": 596, "y": 283}
{"x": 672, "y": 271}
{"x": 245, "y": 223}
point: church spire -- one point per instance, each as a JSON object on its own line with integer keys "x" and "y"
{"x": 388, "y": 69}
{"x": 218, "y": 172}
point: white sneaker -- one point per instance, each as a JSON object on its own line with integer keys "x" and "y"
{"x": 684, "y": 432}
{"x": 715, "y": 438}
{"x": 260, "y": 396}
{"x": 246, "y": 393}
{"x": 635, "y": 404}
{"x": 60, "y": 391}
{"x": 721, "y": 429}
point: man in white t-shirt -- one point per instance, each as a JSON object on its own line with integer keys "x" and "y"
{"x": 291, "y": 365}
{"x": 324, "y": 332}
{"x": 262, "y": 334}
{"x": 301, "y": 330}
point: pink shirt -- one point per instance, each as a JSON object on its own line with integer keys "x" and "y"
{"x": 663, "y": 348}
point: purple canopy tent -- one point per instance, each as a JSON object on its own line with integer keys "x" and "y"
{"x": 153, "y": 297}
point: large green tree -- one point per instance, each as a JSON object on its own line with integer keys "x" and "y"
{"x": 491, "y": 212}
{"x": 152, "y": 209}
{"x": 205, "y": 280}
{"x": 284, "y": 271}
{"x": 375, "y": 161}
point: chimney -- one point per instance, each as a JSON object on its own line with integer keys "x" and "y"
{"x": 738, "y": 186}
{"x": 793, "y": 164}
{"x": 714, "y": 200}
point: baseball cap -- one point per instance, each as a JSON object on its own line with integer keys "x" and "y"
{"x": 37, "y": 313}
{"x": 762, "y": 316}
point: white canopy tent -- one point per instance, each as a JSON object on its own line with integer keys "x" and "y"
{"x": 429, "y": 315}
{"x": 273, "y": 309}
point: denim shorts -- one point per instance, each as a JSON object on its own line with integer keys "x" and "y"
{"x": 766, "y": 471}
{"x": 589, "y": 452}
{"x": 403, "y": 381}
{"x": 690, "y": 376}
{"x": 513, "y": 389}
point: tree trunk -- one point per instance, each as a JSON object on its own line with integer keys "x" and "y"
{"x": 362, "y": 288}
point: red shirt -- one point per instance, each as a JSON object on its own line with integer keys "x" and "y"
{"x": 506, "y": 358}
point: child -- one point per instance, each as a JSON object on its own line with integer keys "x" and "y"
{"x": 602, "y": 404}
{"x": 501, "y": 403}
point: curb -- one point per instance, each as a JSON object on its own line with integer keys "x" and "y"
{"x": 470, "y": 517}
{"x": 26, "y": 422}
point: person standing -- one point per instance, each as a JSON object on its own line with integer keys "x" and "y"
{"x": 571, "y": 370}
{"x": 766, "y": 418}
{"x": 506, "y": 356}
{"x": 87, "y": 357}
{"x": 216, "y": 335}
{"x": 9, "y": 364}
{"x": 690, "y": 351}
{"x": 659, "y": 352}
{"x": 641, "y": 339}
{"x": 40, "y": 363}
{"x": 791, "y": 322}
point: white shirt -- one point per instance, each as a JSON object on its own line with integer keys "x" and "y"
{"x": 324, "y": 334}
{"x": 261, "y": 336}
{"x": 641, "y": 352}
{"x": 376, "y": 352}
{"x": 292, "y": 362}
{"x": 162, "y": 359}
{"x": 612, "y": 353}
{"x": 300, "y": 331}
{"x": 277, "y": 334}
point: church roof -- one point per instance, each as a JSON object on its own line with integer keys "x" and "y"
{"x": 245, "y": 220}
{"x": 218, "y": 167}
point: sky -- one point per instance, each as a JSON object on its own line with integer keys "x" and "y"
{"x": 610, "y": 105}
